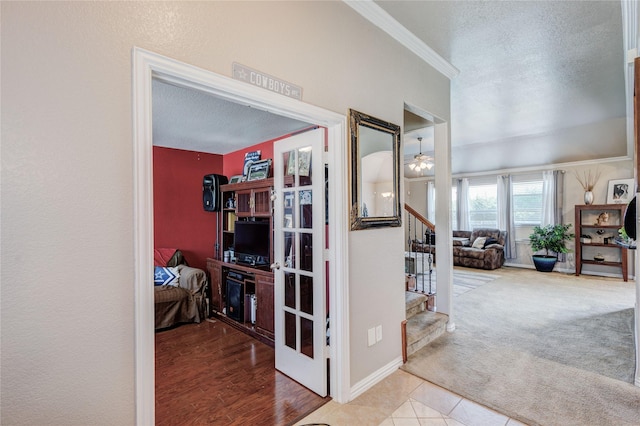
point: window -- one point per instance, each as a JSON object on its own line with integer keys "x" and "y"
{"x": 527, "y": 203}
{"x": 483, "y": 206}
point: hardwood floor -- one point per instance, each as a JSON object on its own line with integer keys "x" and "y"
{"x": 211, "y": 373}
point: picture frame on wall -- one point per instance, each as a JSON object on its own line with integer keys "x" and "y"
{"x": 620, "y": 191}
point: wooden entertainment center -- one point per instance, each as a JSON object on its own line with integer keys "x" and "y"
{"x": 242, "y": 285}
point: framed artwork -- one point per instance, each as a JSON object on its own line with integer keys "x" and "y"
{"x": 249, "y": 159}
{"x": 235, "y": 179}
{"x": 620, "y": 191}
{"x": 259, "y": 170}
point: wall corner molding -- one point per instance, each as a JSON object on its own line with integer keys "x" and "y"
{"x": 381, "y": 19}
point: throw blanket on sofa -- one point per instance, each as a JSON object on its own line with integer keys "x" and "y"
{"x": 182, "y": 301}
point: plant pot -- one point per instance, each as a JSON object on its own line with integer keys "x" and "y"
{"x": 544, "y": 263}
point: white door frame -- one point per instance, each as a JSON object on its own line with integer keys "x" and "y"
{"x": 146, "y": 66}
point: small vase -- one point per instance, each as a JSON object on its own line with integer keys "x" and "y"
{"x": 588, "y": 197}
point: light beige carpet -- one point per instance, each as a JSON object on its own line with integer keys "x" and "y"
{"x": 546, "y": 349}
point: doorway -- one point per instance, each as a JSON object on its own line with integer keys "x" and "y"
{"x": 148, "y": 65}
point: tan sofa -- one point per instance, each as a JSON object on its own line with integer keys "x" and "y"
{"x": 484, "y": 254}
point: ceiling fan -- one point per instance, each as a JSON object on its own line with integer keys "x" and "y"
{"x": 421, "y": 161}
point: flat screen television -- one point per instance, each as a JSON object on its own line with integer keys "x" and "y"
{"x": 251, "y": 242}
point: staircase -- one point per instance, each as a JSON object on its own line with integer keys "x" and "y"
{"x": 422, "y": 325}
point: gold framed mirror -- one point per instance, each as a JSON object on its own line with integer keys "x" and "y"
{"x": 375, "y": 172}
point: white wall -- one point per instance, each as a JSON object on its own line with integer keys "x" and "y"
{"x": 67, "y": 210}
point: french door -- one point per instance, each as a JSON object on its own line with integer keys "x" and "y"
{"x": 299, "y": 268}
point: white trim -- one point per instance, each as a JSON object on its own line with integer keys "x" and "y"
{"x": 528, "y": 169}
{"x": 143, "y": 241}
{"x": 630, "y": 43}
{"x": 375, "y": 377}
{"x": 340, "y": 373}
{"x": 381, "y": 19}
{"x": 146, "y": 66}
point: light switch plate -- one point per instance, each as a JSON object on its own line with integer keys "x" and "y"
{"x": 371, "y": 336}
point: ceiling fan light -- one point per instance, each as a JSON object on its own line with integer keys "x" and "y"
{"x": 429, "y": 165}
{"x": 412, "y": 166}
{"x": 423, "y": 165}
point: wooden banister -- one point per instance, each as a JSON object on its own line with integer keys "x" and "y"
{"x": 420, "y": 218}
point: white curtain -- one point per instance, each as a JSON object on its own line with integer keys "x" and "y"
{"x": 464, "y": 223}
{"x": 431, "y": 201}
{"x": 552, "y": 200}
{"x": 548, "y": 198}
{"x": 506, "y": 221}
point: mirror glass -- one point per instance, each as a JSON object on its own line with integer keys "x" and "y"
{"x": 375, "y": 168}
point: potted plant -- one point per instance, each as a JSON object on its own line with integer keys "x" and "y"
{"x": 551, "y": 239}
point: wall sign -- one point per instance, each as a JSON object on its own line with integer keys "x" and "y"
{"x": 266, "y": 81}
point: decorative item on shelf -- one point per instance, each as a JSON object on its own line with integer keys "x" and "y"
{"x": 599, "y": 257}
{"x": 585, "y": 239}
{"x": 620, "y": 191}
{"x": 588, "y": 197}
{"x": 259, "y": 170}
{"x": 550, "y": 238}
{"x": 235, "y": 179}
{"x": 588, "y": 181}
{"x": 603, "y": 219}
{"x": 249, "y": 159}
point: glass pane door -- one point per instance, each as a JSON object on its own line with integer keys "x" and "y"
{"x": 300, "y": 307}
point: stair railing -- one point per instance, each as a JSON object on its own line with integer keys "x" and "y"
{"x": 424, "y": 229}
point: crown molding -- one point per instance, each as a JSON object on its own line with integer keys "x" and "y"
{"x": 381, "y": 19}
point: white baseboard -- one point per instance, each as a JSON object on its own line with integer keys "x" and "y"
{"x": 368, "y": 382}
{"x": 571, "y": 270}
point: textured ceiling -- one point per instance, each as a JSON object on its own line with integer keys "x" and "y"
{"x": 526, "y": 68}
{"x": 197, "y": 121}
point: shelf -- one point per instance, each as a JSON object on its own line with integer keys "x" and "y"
{"x": 586, "y": 219}
{"x": 603, "y": 263}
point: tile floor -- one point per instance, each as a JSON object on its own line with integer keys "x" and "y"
{"x": 406, "y": 400}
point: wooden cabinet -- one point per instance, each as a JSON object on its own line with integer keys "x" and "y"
{"x": 253, "y": 282}
{"x": 216, "y": 302}
{"x": 600, "y": 222}
{"x": 244, "y": 201}
{"x": 253, "y": 199}
{"x": 264, "y": 301}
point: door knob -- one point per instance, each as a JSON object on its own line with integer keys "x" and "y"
{"x": 275, "y": 266}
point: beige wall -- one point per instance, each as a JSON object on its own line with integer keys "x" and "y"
{"x": 67, "y": 210}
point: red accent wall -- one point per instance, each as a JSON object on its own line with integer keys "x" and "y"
{"x": 234, "y": 161}
{"x": 179, "y": 217}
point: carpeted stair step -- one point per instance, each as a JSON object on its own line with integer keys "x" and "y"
{"x": 414, "y": 303}
{"x": 423, "y": 328}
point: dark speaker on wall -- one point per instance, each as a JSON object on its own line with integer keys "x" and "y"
{"x": 211, "y": 193}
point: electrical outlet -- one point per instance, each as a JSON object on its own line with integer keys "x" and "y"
{"x": 378, "y": 333}
{"x": 371, "y": 336}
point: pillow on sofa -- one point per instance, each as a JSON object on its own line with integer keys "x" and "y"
{"x": 461, "y": 241}
{"x": 165, "y": 276}
{"x": 490, "y": 241}
{"x": 479, "y": 242}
